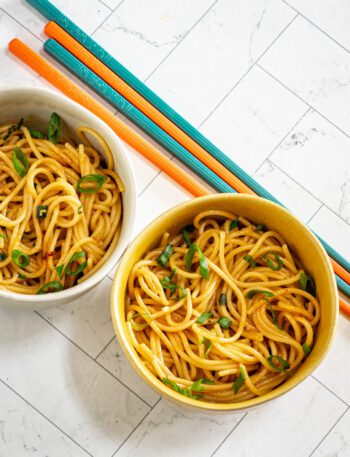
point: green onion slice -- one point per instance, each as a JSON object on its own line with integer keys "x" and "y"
{"x": 273, "y": 316}
{"x": 270, "y": 263}
{"x": 251, "y": 293}
{"x": 20, "y": 162}
{"x": 53, "y": 286}
{"x": 163, "y": 259}
{"x": 250, "y": 260}
{"x": 187, "y": 392}
{"x": 186, "y": 234}
{"x": 207, "y": 346}
{"x": 306, "y": 349}
{"x": 284, "y": 365}
{"x": 59, "y": 270}
{"x": 97, "y": 180}
{"x": 233, "y": 224}
{"x": 3, "y": 256}
{"x": 307, "y": 284}
{"x": 20, "y": 258}
{"x": 203, "y": 318}
{"x": 260, "y": 228}
{"x": 223, "y": 299}
{"x": 36, "y": 134}
{"x": 54, "y": 128}
{"x": 238, "y": 382}
{"x": 41, "y": 211}
{"x": 22, "y": 276}
{"x": 81, "y": 267}
{"x": 224, "y": 322}
{"x": 3, "y": 236}
{"x": 14, "y": 128}
{"x": 203, "y": 264}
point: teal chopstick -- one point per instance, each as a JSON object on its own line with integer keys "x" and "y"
{"x": 114, "y": 98}
{"x": 52, "y": 13}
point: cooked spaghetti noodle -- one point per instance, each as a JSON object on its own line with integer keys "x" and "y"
{"x": 60, "y": 208}
{"x": 223, "y": 311}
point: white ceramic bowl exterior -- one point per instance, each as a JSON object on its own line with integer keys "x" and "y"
{"x": 35, "y": 105}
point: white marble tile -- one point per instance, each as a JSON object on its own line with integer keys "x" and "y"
{"x": 113, "y": 4}
{"x": 171, "y": 431}
{"x": 316, "y": 154}
{"x": 253, "y": 119}
{"x": 88, "y": 18}
{"x": 315, "y": 68}
{"x": 12, "y": 70}
{"x": 87, "y": 320}
{"x": 332, "y": 16}
{"x": 334, "y": 371}
{"x": 115, "y": 361}
{"x": 290, "y": 427}
{"x": 141, "y": 34}
{"x": 63, "y": 383}
{"x": 332, "y": 229}
{"x": 337, "y": 443}
{"x": 25, "y": 432}
{"x": 287, "y": 191}
{"x": 216, "y": 54}
{"x": 161, "y": 195}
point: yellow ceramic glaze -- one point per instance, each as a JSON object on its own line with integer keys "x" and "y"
{"x": 310, "y": 252}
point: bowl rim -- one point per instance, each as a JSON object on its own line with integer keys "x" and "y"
{"x": 156, "y": 383}
{"x": 101, "y": 273}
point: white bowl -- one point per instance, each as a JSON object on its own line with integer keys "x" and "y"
{"x": 35, "y": 105}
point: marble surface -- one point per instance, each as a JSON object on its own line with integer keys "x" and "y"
{"x": 268, "y": 82}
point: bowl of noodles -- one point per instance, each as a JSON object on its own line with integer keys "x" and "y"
{"x": 67, "y": 199}
{"x": 225, "y": 302}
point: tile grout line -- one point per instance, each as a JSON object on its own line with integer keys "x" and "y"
{"x": 247, "y": 71}
{"x": 304, "y": 188}
{"x": 112, "y": 11}
{"x": 234, "y": 428}
{"x": 104, "y": 4}
{"x": 300, "y": 98}
{"x": 316, "y": 26}
{"x": 329, "y": 390}
{"x": 106, "y": 346}
{"x": 281, "y": 141}
{"x": 181, "y": 40}
{"x": 314, "y": 214}
{"x": 91, "y": 358}
{"x": 45, "y": 417}
{"x": 329, "y": 431}
{"x": 23, "y": 26}
{"x": 126, "y": 439}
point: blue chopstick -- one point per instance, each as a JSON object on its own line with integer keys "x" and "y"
{"x": 114, "y": 98}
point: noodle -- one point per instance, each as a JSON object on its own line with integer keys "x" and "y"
{"x": 60, "y": 208}
{"x": 223, "y": 311}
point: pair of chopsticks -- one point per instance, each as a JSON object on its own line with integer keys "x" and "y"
{"x": 221, "y": 180}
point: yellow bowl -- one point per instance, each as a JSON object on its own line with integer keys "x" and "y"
{"x": 309, "y": 250}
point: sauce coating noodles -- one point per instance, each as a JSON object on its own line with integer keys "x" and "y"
{"x": 223, "y": 311}
{"x": 60, "y": 208}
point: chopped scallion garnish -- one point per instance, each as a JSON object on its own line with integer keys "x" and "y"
{"x": 283, "y": 364}
{"x": 224, "y": 322}
{"x": 81, "y": 267}
{"x": 251, "y": 293}
{"x": 88, "y": 180}
{"x": 233, "y": 224}
{"x": 41, "y": 211}
{"x": 223, "y": 299}
{"x": 186, "y": 234}
{"x": 307, "y": 284}
{"x": 20, "y": 162}
{"x": 20, "y": 258}
{"x": 203, "y": 264}
{"x": 53, "y": 286}
{"x": 163, "y": 259}
{"x": 238, "y": 382}
{"x": 279, "y": 262}
{"x": 54, "y": 128}
{"x": 203, "y": 318}
{"x": 249, "y": 259}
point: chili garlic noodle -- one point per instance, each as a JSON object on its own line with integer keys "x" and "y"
{"x": 222, "y": 311}
{"x": 60, "y": 208}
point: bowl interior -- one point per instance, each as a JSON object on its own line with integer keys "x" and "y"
{"x": 36, "y": 105}
{"x": 298, "y": 237}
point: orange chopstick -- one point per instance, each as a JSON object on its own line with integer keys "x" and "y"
{"x": 53, "y": 30}
{"x": 65, "y": 85}
{"x": 344, "y": 306}
{"x": 61, "y": 82}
